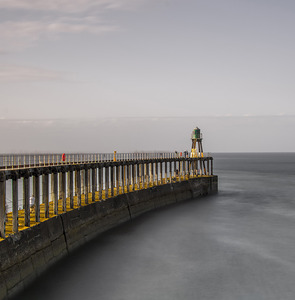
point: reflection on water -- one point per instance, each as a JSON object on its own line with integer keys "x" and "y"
{"x": 239, "y": 244}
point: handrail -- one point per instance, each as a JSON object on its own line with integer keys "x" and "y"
{"x": 21, "y": 161}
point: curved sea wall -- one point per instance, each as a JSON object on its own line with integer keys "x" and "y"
{"x": 28, "y": 253}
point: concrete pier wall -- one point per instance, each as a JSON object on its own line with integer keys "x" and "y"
{"x": 28, "y": 253}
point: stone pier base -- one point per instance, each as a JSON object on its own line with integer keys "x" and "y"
{"x": 28, "y": 253}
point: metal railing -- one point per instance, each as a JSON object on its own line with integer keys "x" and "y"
{"x": 20, "y": 161}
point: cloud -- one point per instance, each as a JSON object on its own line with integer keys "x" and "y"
{"x": 13, "y": 73}
{"x": 48, "y": 19}
{"x": 69, "y": 6}
{"x": 20, "y": 35}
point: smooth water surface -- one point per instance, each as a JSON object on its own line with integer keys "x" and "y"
{"x": 238, "y": 244}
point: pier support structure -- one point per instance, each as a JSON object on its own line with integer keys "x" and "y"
{"x": 73, "y": 186}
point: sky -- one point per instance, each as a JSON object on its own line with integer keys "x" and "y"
{"x": 85, "y": 66}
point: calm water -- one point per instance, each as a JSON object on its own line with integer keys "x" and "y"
{"x": 239, "y": 244}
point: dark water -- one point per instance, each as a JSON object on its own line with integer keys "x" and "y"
{"x": 239, "y": 244}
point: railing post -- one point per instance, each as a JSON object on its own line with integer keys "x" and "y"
{"x": 138, "y": 172}
{"x": 100, "y": 180}
{"x": 117, "y": 179}
{"x": 78, "y": 178}
{"x": 133, "y": 167}
{"x": 60, "y": 185}
{"x": 45, "y": 194}
{"x": 89, "y": 180}
{"x": 161, "y": 172}
{"x": 86, "y": 186}
{"x": 211, "y": 166}
{"x": 143, "y": 175}
{"x": 152, "y": 174}
{"x": 94, "y": 183}
{"x": 15, "y": 204}
{"x": 188, "y": 169}
{"x": 63, "y": 192}
{"x": 2, "y": 205}
{"x": 157, "y": 172}
{"x": 123, "y": 169}
{"x": 107, "y": 182}
{"x": 201, "y": 166}
{"x": 128, "y": 177}
{"x": 75, "y": 183}
{"x": 112, "y": 181}
{"x": 54, "y": 190}
{"x": 82, "y": 172}
{"x": 70, "y": 187}
{"x": 204, "y": 165}
{"x": 179, "y": 170}
{"x": 37, "y": 197}
{"x": 170, "y": 170}
{"x": 166, "y": 171}
{"x": 147, "y": 174}
{"x": 26, "y": 199}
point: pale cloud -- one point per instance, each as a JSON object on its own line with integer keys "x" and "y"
{"x": 55, "y": 17}
{"x": 20, "y": 35}
{"x": 13, "y": 73}
{"x": 59, "y": 27}
{"x": 69, "y": 6}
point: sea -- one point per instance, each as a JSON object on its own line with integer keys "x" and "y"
{"x": 237, "y": 244}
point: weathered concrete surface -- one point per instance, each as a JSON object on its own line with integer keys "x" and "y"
{"x": 25, "y": 255}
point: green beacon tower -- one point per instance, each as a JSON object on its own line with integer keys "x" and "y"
{"x": 197, "y": 147}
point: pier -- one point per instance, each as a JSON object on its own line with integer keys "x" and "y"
{"x": 83, "y": 179}
{"x": 80, "y": 196}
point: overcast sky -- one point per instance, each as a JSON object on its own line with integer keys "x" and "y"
{"x": 227, "y": 61}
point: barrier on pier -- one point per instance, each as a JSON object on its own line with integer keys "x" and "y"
{"x": 20, "y": 161}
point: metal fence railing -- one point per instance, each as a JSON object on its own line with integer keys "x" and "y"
{"x": 19, "y": 161}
